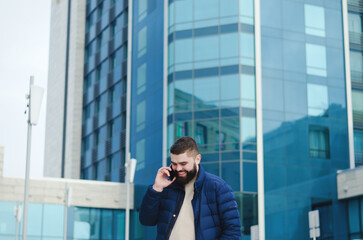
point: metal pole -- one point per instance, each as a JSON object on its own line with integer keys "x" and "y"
{"x": 65, "y": 215}
{"x": 27, "y": 168}
{"x": 127, "y": 214}
{"x": 65, "y": 222}
{"x": 16, "y": 221}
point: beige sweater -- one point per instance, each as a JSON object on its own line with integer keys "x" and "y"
{"x": 184, "y": 225}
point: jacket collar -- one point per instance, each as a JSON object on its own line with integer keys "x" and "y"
{"x": 200, "y": 179}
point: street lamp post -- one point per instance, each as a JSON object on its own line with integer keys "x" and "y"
{"x": 35, "y": 100}
{"x": 130, "y": 166}
{"x": 67, "y": 204}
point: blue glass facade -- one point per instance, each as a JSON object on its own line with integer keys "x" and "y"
{"x": 355, "y": 15}
{"x": 211, "y": 91}
{"x": 104, "y": 94}
{"x": 147, "y": 89}
{"x": 46, "y": 221}
{"x": 304, "y": 116}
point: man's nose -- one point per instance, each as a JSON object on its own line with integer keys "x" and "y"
{"x": 178, "y": 168}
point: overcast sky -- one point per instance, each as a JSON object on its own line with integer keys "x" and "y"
{"x": 24, "y": 43}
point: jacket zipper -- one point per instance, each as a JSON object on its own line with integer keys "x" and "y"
{"x": 180, "y": 200}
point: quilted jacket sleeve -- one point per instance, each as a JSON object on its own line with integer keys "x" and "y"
{"x": 149, "y": 210}
{"x": 228, "y": 211}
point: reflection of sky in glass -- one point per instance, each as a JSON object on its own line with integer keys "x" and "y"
{"x": 317, "y": 99}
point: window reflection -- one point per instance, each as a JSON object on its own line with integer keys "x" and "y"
{"x": 141, "y": 78}
{"x": 206, "y": 89}
{"x": 140, "y": 154}
{"x": 317, "y": 100}
{"x": 316, "y": 60}
{"x": 140, "y": 116}
{"x": 356, "y": 66}
{"x": 358, "y": 147}
{"x": 247, "y": 49}
{"x": 206, "y": 48}
{"x": 319, "y": 142}
{"x": 142, "y": 40}
{"x": 246, "y": 11}
{"x": 314, "y": 20}
{"x": 142, "y": 9}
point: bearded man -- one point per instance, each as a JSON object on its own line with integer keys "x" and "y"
{"x": 195, "y": 204}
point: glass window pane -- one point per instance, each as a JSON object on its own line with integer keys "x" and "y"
{"x": 106, "y": 223}
{"x": 206, "y": 89}
{"x": 140, "y": 154}
{"x": 247, "y": 48}
{"x": 141, "y": 78}
{"x": 35, "y": 213}
{"x": 171, "y": 14}
{"x": 319, "y": 142}
{"x": 228, "y": 9}
{"x": 170, "y": 94}
{"x": 183, "y": 129}
{"x": 230, "y": 126}
{"x": 355, "y": 22}
{"x": 171, "y": 54}
{"x": 183, "y": 11}
{"x": 183, "y": 91}
{"x": 142, "y": 42}
{"x": 248, "y": 129}
{"x": 317, "y": 99}
{"x": 204, "y": 9}
{"x": 6, "y": 213}
{"x": 206, "y": 135}
{"x": 358, "y": 148}
{"x": 206, "y": 48}
{"x": 357, "y": 100}
{"x": 53, "y": 219}
{"x": 142, "y": 9}
{"x": 246, "y": 11}
{"x": 316, "y": 60}
{"x": 249, "y": 177}
{"x": 95, "y": 223}
{"x": 231, "y": 174}
{"x": 211, "y": 167}
{"x": 229, "y": 44}
{"x": 140, "y": 116}
{"x": 314, "y": 20}
{"x": 353, "y": 212}
{"x": 101, "y": 170}
{"x": 183, "y": 50}
{"x": 356, "y": 66}
{"x": 119, "y": 224}
{"x": 248, "y": 90}
{"x": 229, "y": 87}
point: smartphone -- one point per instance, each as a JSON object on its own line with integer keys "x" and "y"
{"x": 172, "y": 174}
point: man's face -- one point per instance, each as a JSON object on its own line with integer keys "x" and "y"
{"x": 186, "y": 166}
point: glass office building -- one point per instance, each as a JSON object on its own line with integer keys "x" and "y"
{"x": 267, "y": 88}
{"x": 104, "y": 94}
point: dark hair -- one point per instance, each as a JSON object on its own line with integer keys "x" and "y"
{"x": 185, "y": 144}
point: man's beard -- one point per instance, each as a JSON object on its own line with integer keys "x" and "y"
{"x": 189, "y": 175}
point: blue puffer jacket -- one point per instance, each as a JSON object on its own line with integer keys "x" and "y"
{"x": 214, "y": 205}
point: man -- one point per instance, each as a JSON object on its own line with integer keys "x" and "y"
{"x": 193, "y": 205}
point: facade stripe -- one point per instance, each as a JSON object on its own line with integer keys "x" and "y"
{"x": 348, "y": 84}
{"x": 259, "y": 129}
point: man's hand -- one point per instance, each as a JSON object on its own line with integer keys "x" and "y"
{"x": 161, "y": 180}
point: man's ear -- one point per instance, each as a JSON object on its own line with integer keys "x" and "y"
{"x": 198, "y": 158}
